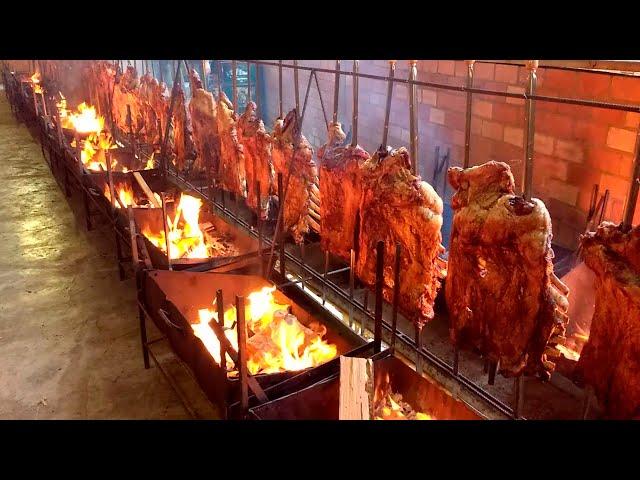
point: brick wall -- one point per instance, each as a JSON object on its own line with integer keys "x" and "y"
{"x": 575, "y": 147}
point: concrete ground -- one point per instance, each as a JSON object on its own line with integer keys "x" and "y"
{"x": 69, "y": 336}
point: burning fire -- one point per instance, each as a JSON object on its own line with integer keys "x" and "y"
{"x": 279, "y": 341}
{"x": 87, "y": 120}
{"x": 389, "y": 406}
{"x": 92, "y": 154}
{"x": 125, "y": 194}
{"x": 150, "y": 165}
{"x": 186, "y": 241}
{"x": 35, "y": 80}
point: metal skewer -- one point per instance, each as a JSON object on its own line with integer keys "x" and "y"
{"x": 632, "y": 198}
{"x": 467, "y": 128}
{"x": 234, "y": 85}
{"x": 296, "y": 85}
{"x": 413, "y": 116}
{"x": 392, "y": 72}
{"x": 354, "y": 120}
{"x": 396, "y": 294}
{"x": 166, "y": 229}
{"x": 530, "y": 115}
{"x": 204, "y": 75}
{"x": 377, "y": 334}
{"x": 281, "y": 112}
{"x": 336, "y": 92}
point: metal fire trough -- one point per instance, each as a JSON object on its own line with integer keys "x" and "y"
{"x": 319, "y": 400}
{"x": 172, "y": 300}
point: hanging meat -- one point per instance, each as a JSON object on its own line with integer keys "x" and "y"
{"x": 502, "y": 295}
{"x": 231, "y": 170}
{"x": 182, "y": 132}
{"x": 610, "y": 360}
{"x": 202, "y": 108}
{"x": 291, "y": 150}
{"x": 397, "y": 206}
{"x": 257, "y": 145}
{"x": 151, "y": 131}
{"x": 341, "y": 192}
{"x": 126, "y": 98}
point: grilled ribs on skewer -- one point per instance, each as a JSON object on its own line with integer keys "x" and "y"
{"x": 257, "y": 144}
{"x": 291, "y": 149}
{"x": 202, "y": 108}
{"x": 341, "y": 192}
{"x": 231, "y": 169}
{"x": 610, "y": 360}
{"x": 502, "y": 295}
{"x": 398, "y": 206}
{"x": 183, "y": 145}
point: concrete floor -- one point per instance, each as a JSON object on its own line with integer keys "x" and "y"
{"x": 69, "y": 336}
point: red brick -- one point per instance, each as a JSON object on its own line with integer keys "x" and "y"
{"x": 461, "y": 68}
{"x": 567, "y": 214}
{"x": 455, "y": 120}
{"x": 436, "y": 116}
{"x": 429, "y": 97}
{"x": 607, "y": 116}
{"x": 514, "y": 136}
{"x": 476, "y": 125}
{"x": 428, "y": 65}
{"x": 506, "y": 73}
{"x": 510, "y": 114}
{"x": 621, "y": 139}
{"x": 563, "y": 192}
{"x": 452, "y": 101}
{"x": 543, "y": 144}
{"x": 483, "y": 71}
{"x": 625, "y": 166}
{"x": 480, "y": 149}
{"x": 593, "y": 85}
{"x": 632, "y": 120}
{"x": 590, "y": 132}
{"x": 625, "y": 88}
{"x": 604, "y": 159}
{"x": 572, "y": 151}
{"x": 618, "y": 187}
{"x": 554, "y": 124}
{"x": 514, "y": 89}
{"x": 482, "y": 109}
{"x": 563, "y": 81}
{"x": 446, "y": 67}
{"x": 458, "y": 138}
{"x": 492, "y": 130}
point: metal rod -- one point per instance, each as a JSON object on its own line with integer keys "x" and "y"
{"x": 418, "y": 340}
{"x": 296, "y": 85}
{"x": 258, "y": 98}
{"x": 392, "y": 72}
{"x": 632, "y": 197}
{"x": 456, "y": 360}
{"x": 377, "y": 326}
{"x": 281, "y": 112}
{"x": 219, "y": 65}
{"x": 259, "y": 224}
{"x": 112, "y": 191}
{"x": 234, "y": 84}
{"x": 530, "y": 115}
{"x": 413, "y": 117}
{"x": 467, "y": 128}
{"x": 493, "y": 368}
{"x": 518, "y": 390}
{"x": 166, "y": 229}
{"x": 365, "y": 302}
{"x": 326, "y": 272}
{"x": 462, "y": 88}
{"x": 242, "y": 353}
{"x": 336, "y": 92}
{"x": 352, "y": 267}
{"x": 396, "y": 294}
{"x": 302, "y": 259}
{"x": 279, "y": 234}
{"x": 248, "y": 82}
{"x": 204, "y": 75}
{"x": 220, "y": 311}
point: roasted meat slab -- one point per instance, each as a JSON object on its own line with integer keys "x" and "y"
{"x": 126, "y": 97}
{"x": 231, "y": 170}
{"x": 398, "y": 207}
{"x": 148, "y": 88}
{"x": 340, "y": 192}
{"x": 298, "y": 209}
{"x": 610, "y": 360}
{"x": 257, "y": 145}
{"x": 202, "y": 108}
{"x": 502, "y": 295}
{"x": 183, "y": 145}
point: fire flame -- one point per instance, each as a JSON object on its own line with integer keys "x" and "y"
{"x": 389, "y": 405}
{"x": 87, "y": 120}
{"x": 279, "y": 342}
{"x": 125, "y": 194}
{"x": 35, "y": 80}
{"x": 186, "y": 241}
{"x": 92, "y": 154}
{"x": 150, "y": 165}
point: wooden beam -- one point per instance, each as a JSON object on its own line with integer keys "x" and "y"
{"x": 356, "y": 389}
{"x": 147, "y": 190}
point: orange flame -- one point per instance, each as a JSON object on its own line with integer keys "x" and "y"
{"x": 35, "y": 80}
{"x": 186, "y": 241}
{"x": 279, "y": 343}
{"x": 86, "y": 120}
{"x": 389, "y": 405}
{"x": 125, "y": 194}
